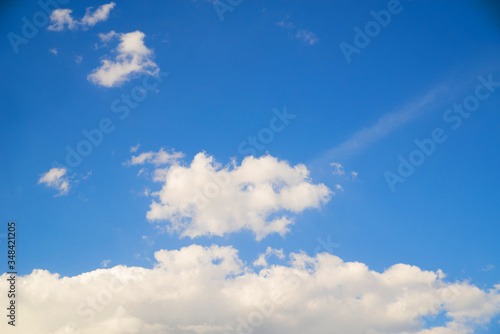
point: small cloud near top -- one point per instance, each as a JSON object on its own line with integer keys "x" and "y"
{"x": 62, "y": 19}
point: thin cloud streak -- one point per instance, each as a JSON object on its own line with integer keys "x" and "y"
{"x": 364, "y": 138}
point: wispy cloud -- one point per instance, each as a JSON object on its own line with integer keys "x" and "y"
{"x": 384, "y": 126}
{"x": 338, "y": 169}
{"x": 489, "y": 267}
{"x": 53, "y": 51}
{"x": 305, "y": 35}
{"x": 134, "y": 149}
{"x": 159, "y": 158}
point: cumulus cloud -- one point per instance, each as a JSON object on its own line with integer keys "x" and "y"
{"x": 133, "y": 58}
{"x": 211, "y": 290}
{"x": 62, "y": 19}
{"x": 56, "y": 178}
{"x": 159, "y": 158}
{"x": 206, "y": 198}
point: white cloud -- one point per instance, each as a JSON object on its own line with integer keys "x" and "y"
{"x": 56, "y": 178}
{"x": 105, "y": 263}
{"x": 205, "y": 198}
{"x": 78, "y": 59}
{"x": 53, "y": 51}
{"x": 100, "y": 14}
{"x": 61, "y": 19}
{"x": 156, "y": 158}
{"x": 134, "y": 149}
{"x": 211, "y": 290}
{"x": 108, "y": 36}
{"x": 133, "y": 59}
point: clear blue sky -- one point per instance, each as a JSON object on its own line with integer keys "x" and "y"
{"x": 225, "y": 78}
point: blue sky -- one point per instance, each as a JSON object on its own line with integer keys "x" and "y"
{"x": 225, "y": 78}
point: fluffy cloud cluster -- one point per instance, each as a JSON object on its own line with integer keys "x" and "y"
{"x": 206, "y": 198}
{"x": 210, "y": 290}
{"x": 56, "y": 178}
{"x": 62, "y": 19}
{"x": 133, "y": 58}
